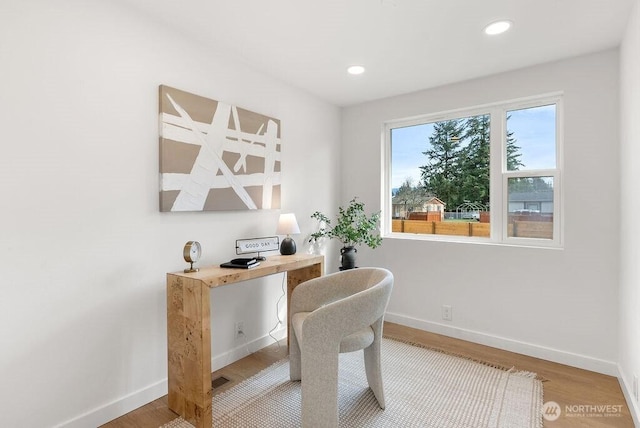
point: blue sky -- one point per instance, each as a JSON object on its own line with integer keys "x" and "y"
{"x": 534, "y": 130}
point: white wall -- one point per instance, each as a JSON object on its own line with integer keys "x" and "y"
{"x": 83, "y": 248}
{"x": 629, "y": 302}
{"x": 555, "y": 304}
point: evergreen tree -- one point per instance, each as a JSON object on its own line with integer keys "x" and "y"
{"x": 475, "y": 160}
{"x": 440, "y": 175}
{"x": 530, "y": 185}
{"x": 514, "y": 163}
{"x": 458, "y": 162}
{"x": 513, "y": 152}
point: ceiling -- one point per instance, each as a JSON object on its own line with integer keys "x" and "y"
{"x": 405, "y": 45}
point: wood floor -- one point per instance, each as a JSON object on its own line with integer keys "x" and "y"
{"x": 567, "y": 386}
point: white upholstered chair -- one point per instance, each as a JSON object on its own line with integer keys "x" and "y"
{"x": 340, "y": 312}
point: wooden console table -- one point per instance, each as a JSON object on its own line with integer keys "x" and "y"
{"x": 189, "y": 326}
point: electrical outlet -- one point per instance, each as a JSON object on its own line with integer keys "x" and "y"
{"x": 447, "y": 313}
{"x": 238, "y": 330}
{"x": 635, "y": 386}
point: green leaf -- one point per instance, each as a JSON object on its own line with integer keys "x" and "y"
{"x": 353, "y": 226}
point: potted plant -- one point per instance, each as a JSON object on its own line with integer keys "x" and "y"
{"x": 353, "y": 228}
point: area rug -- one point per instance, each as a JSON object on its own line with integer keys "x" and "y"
{"x": 423, "y": 388}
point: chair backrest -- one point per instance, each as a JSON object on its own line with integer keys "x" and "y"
{"x": 352, "y": 281}
{"x": 376, "y": 284}
{"x": 346, "y": 301}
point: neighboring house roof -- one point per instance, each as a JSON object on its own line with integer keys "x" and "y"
{"x": 544, "y": 196}
{"x": 428, "y": 200}
{"x": 434, "y": 200}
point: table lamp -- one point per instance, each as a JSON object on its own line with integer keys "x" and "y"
{"x": 287, "y": 225}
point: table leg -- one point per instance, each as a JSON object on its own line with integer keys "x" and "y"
{"x": 189, "y": 350}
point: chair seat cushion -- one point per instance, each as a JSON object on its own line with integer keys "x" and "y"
{"x": 353, "y": 342}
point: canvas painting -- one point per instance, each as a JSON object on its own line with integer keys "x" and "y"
{"x": 215, "y": 156}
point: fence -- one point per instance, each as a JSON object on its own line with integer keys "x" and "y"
{"x": 519, "y": 229}
{"x": 425, "y": 215}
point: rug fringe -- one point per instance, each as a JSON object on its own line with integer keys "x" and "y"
{"x": 512, "y": 369}
{"x": 527, "y": 374}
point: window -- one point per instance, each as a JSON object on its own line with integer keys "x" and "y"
{"x": 489, "y": 173}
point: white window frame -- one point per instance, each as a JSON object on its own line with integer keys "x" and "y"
{"x": 499, "y": 175}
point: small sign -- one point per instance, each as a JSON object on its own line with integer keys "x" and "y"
{"x": 257, "y": 245}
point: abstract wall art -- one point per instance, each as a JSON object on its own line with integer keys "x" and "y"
{"x": 215, "y": 156}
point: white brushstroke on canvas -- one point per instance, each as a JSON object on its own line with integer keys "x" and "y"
{"x": 182, "y": 135}
{"x": 171, "y": 130}
{"x": 243, "y": 151}
{"x": 241, "y": 163}
{"x": 176, "y": 181}
{"x": 271, "y": 142}
{"x": 193, "y": 195}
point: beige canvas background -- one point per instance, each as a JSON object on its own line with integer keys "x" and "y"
{"x": 179, "y": 157}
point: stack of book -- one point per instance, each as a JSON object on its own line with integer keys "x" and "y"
{"x": 242, "y": 263}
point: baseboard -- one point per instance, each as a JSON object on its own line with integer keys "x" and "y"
{"x": 627, "y": 390}
{"x": 556, "y": 355}
{"x": 121, "y": 406}
{"x": 246, "y": 348}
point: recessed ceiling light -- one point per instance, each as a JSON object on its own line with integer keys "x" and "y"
{"x": 355, "y": 69}
{"x": 497, "y": 27}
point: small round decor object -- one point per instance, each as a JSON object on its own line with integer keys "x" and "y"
{"x": 191, "y": 253}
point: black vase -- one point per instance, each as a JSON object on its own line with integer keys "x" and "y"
{"x": 348, "y": 257}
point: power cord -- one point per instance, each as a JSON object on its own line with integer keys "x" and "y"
{"x": 278, "y": 314}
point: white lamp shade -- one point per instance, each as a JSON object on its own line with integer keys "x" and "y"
{"x": 287, "y": 224}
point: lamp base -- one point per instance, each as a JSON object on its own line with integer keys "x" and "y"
{"x": 287, "y": 247}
